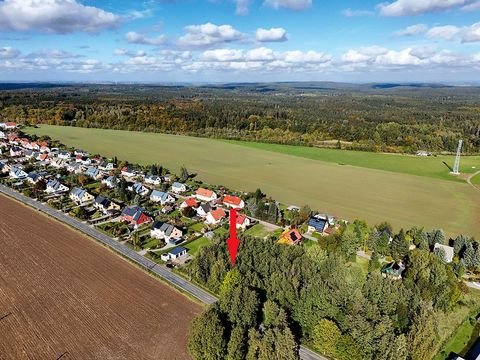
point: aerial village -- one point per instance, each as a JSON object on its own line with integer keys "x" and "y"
{"x": 156, "y": 213}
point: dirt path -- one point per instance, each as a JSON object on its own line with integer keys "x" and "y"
{"x": 469, "y": 180}
{"x": 61, "y": 294}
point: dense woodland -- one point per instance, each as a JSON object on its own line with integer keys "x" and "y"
{"x": 277, "y": 296}
{"x": 364, "y": 117}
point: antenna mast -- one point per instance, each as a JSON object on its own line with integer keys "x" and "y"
{"x": 456, "y": 165}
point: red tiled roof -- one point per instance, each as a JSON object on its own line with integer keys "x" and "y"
{"x": 191, "y": 202}
{"x": 204, "y": 192}
{"x": 218, "y": 214}
{"x": 241, "y": 219}
{"x": 232, "y": 200}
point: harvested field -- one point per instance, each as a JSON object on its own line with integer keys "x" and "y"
{"x": 63, "y": 295}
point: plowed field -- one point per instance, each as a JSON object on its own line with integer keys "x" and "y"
{"x": 64, "y": 296}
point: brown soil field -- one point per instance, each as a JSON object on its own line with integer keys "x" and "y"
{"x": 64, "y": 296}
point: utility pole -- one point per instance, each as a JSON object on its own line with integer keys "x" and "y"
{"x": 456, "y": 165}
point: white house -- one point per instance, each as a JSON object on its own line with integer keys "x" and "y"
{"x": 34, "y": 178}
{"x": 93, "y": 172}
{"x": 205, "y": 194}
{"x": 106, "y": 166}
{"x": 153, "y": 180}
{"x": 174, "y": 254}
{"x": 448, "y": 251}
{"x": 139, "y": 188}
{"x": 81, "y": 196}
{"x": 59, "y": 163}
{"x": 165, "y": 231}
{"x": 111, "y": 181}
{"x": 3, "y": 135}
{"x": 243, "y": 222}
{"x": 161, "y": 197}
{"x": 203, "y": 210}
{"x": 17, "y": 173}
{"x": 233, "y": 202}
{"x": 54, "y": 186}
{"x": 179, "y": 188}
{"x": 215, "y": 217}
{"x": 10, "y": 125}
{"x": 128, "y": 172}
{"x": 75, "y": 168}
{"x": 16, "y": 151}
{"x": 65, "y": 155}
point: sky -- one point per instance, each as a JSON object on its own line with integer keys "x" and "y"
{"x": 215, "y": 41}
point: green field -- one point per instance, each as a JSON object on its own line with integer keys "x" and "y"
{"x": 342, "y": 190}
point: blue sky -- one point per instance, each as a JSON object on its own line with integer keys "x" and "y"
{"x": 240, "y": 40}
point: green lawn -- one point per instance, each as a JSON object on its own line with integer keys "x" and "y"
{"x": 257, "y": 230}
{"x": 193, "y": 246}
{"x": 458, "y": 342}
{"x": 317, "y": 180}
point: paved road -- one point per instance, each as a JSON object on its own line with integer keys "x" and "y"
{"x": 160, "y": 270}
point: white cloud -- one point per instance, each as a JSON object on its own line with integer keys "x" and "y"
{"x": 271, "y": 35}
{"x": 289, "y": 4}
{"x": 8, "y": 53}
{"x": 133, "y": 37}
{"x": 54, "y": 16}
{"x": 412, "y": 30}
{"x": 222, "y": 55}
{"x": 356, "y": 13}
{"x": 312, "y": 57}
{"x": 447, "y": 32}
{"x": 129, "y": 53}
{"x": 242, "y": 7}
{"x": 418, "y": 7}
{"x": 471, "y": 33}
{"x": 260, "y": 54}
{"x": 207, "y": 35}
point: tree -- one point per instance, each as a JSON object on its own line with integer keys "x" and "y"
{"x": 207, "y": 336}
{"x": 241, "y": 306}
{"x": 374, "y": 263}
{"x": 469, "y": 256}
{"x": 440, "y": 253}
{"x": 274, "y": 316}
{"x": 237, "y": 345}
{"x": 422, "y": 337}
{"x": 272, "y": 212}
{"x": 350, "y": 242}
{"x": 326, "y": 336}
{"x": 399, "y": 246}
{"x": 460, "y": 243}
{"x": 230, "y": 282}
{"x": 184, "y": 175}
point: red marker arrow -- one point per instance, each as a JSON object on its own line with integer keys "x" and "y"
{"x": 232, "y": 241}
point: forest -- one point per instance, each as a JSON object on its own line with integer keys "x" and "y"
{"x": 374, "y": 117}
{"x": 277, "y": 296}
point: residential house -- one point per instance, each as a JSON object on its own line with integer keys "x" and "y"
{"x": 3, "y": 135}
{"x": 290, "y": 237}
{"x": 233, "y": 201}
{"x": 83, "y": 160}
{"x": 447, "y": 250}
{"x": 165, "y": 231}
{"x": 59, "y": 163}
{"x": 54, "y": 187}
{"x": 203, "y": 194}
{"x": 393, "y": 270}
{"x": 189, "y": 202}
{"x": 42, "y": 157}
{"x": 111, "y": 181}
{"x": 203, "y": 210}
{"x": 81, "y": 196}
{"x": 106, "y": 166}
{"x": 16, "y": 151}
{"x": 161, "y": 197}
{"x": 179, "y": 188}
{"x": 93, "y": 172}
{"x": 243, "y": 222}
{"x": 10, "y": 125}
{"x": 138, "y": 188}
{"x": 174, "y": 254}
{"x": 65, "y": 155}
{"x": 135, "y": 215}
{"x": 44, "y": 149}
{"x": 34, "y": 178}
{"x": 75, "y": 168}
{"x": 105, "y": 205}
{"x": 318, "y": 223}
{"x": 17, "y": 173}
{"x": 80, "y": 152}
{"x": 4, "y": 168}
{"x": 128, "y": 172}
{"x": 153, "y": 179}
{"x": 214, "y": 217}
